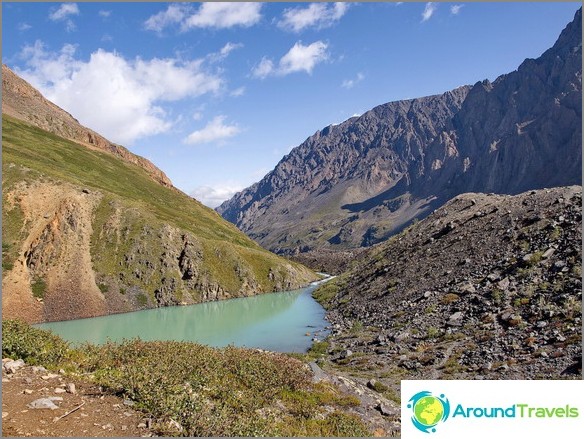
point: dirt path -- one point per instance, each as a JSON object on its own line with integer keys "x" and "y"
{"x": 99, "y": 414}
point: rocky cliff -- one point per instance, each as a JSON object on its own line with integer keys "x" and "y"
{"x": 359, "y": 182}
{"x": 88, "y": 231}
{"x": 487, "y": 286}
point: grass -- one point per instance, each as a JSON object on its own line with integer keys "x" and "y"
{"x": 326, "y": 293}
{"x": 39, "y": 288}
{"x": 207, "y": 391}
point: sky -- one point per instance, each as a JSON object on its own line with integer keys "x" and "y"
{"x": 215, "y": 94}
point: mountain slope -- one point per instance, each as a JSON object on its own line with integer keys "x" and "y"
{"x": 487, "y": 285}
{"x": 359, "y": 182}
{"x": 24, "y": 102}
{"x": 85, "y": 233}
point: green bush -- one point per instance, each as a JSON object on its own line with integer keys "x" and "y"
{"x": 38, "y": 288}
{"x": 34, "y": 346}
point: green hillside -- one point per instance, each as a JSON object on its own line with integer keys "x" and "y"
{"x": 140, "y": 229}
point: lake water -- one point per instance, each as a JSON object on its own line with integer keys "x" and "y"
{"x": 275, "y": 321}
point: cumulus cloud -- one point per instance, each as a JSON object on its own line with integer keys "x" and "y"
{"x": 104, "y": 13}
{"x": 218, "y": 15}
{"x": 299, "y": 58}
{"x": 24, "y": 27}
{"x": 318, "y": 15}
{"x": 350, "y": 83}
{"x": 215, "y": 130}
{"x": 63, "y": 13}
{"x": 429, "y": 11}
{"x": 117, "y": 97}
{"x": 213, "y": 196}
{"x": 455, "y": 9}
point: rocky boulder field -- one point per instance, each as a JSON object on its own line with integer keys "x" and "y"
{"x": 486, "y": 287}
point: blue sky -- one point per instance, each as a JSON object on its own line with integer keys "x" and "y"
{"x": 216, "y": 94}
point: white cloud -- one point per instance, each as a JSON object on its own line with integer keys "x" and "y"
{"x": 429, "y": 11}
{"x": 117, "y": 97}
{"x": 299, "y": 58}
{"x": 197, "y": 115}
{"x": 455, "y": 9}
{"x": 64, "y": 11}
{"x": 263, "y": 69}
{"x": 174, "y": 14}
{"x": 222, "y": 15}
{"x": 213, "y": 196}
{"x": 213, "y": 131}
{"x": 350, "y": 83}
{"x": 240, "y": 91}
{"x": 218, "y": 15}
{"x": 224, "y": 52}
{"x": 318, "y": 15}
{"x": 303, "y": 58}
{"x": 104, "y": 13}
{"x": 24, "y": 27}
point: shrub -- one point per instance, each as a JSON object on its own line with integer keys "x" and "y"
{"x": 38, "y": 288}
{"x": 450, "y": 298}
{"x": 33, "y": 345}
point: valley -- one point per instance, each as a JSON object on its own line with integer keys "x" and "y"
{"x": 435, "y": 237}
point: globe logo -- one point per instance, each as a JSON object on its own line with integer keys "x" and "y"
{"x": 428, "y": 410}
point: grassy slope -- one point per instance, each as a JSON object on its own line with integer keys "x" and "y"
{"x": 65, "y": 160}
{"x": 30, "y": 153}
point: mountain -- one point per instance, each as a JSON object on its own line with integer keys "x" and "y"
{"x": 487, "y": 285}
{"x": 90, "y": 229}
{"x": 359, "y": 182}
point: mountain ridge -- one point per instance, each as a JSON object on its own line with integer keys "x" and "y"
{"x": 520, "y": 132}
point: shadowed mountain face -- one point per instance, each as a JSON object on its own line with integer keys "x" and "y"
{"x": 359, "y": 182}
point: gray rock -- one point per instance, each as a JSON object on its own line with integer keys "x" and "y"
{"x": 504, "y": 284}
{"x": 45, "y": 403}
{"x": 466, "y": 288}
{"x": 13, "y": 366}
{"x": 346, "y": 354}
{"x": 550, "y": 251}
{"x": 456, "y": 316}
{"x": 70, "y": 388}
{"x": 385, "y": 409}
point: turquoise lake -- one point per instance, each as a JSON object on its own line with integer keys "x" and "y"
{"x": 275, "y": 321}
